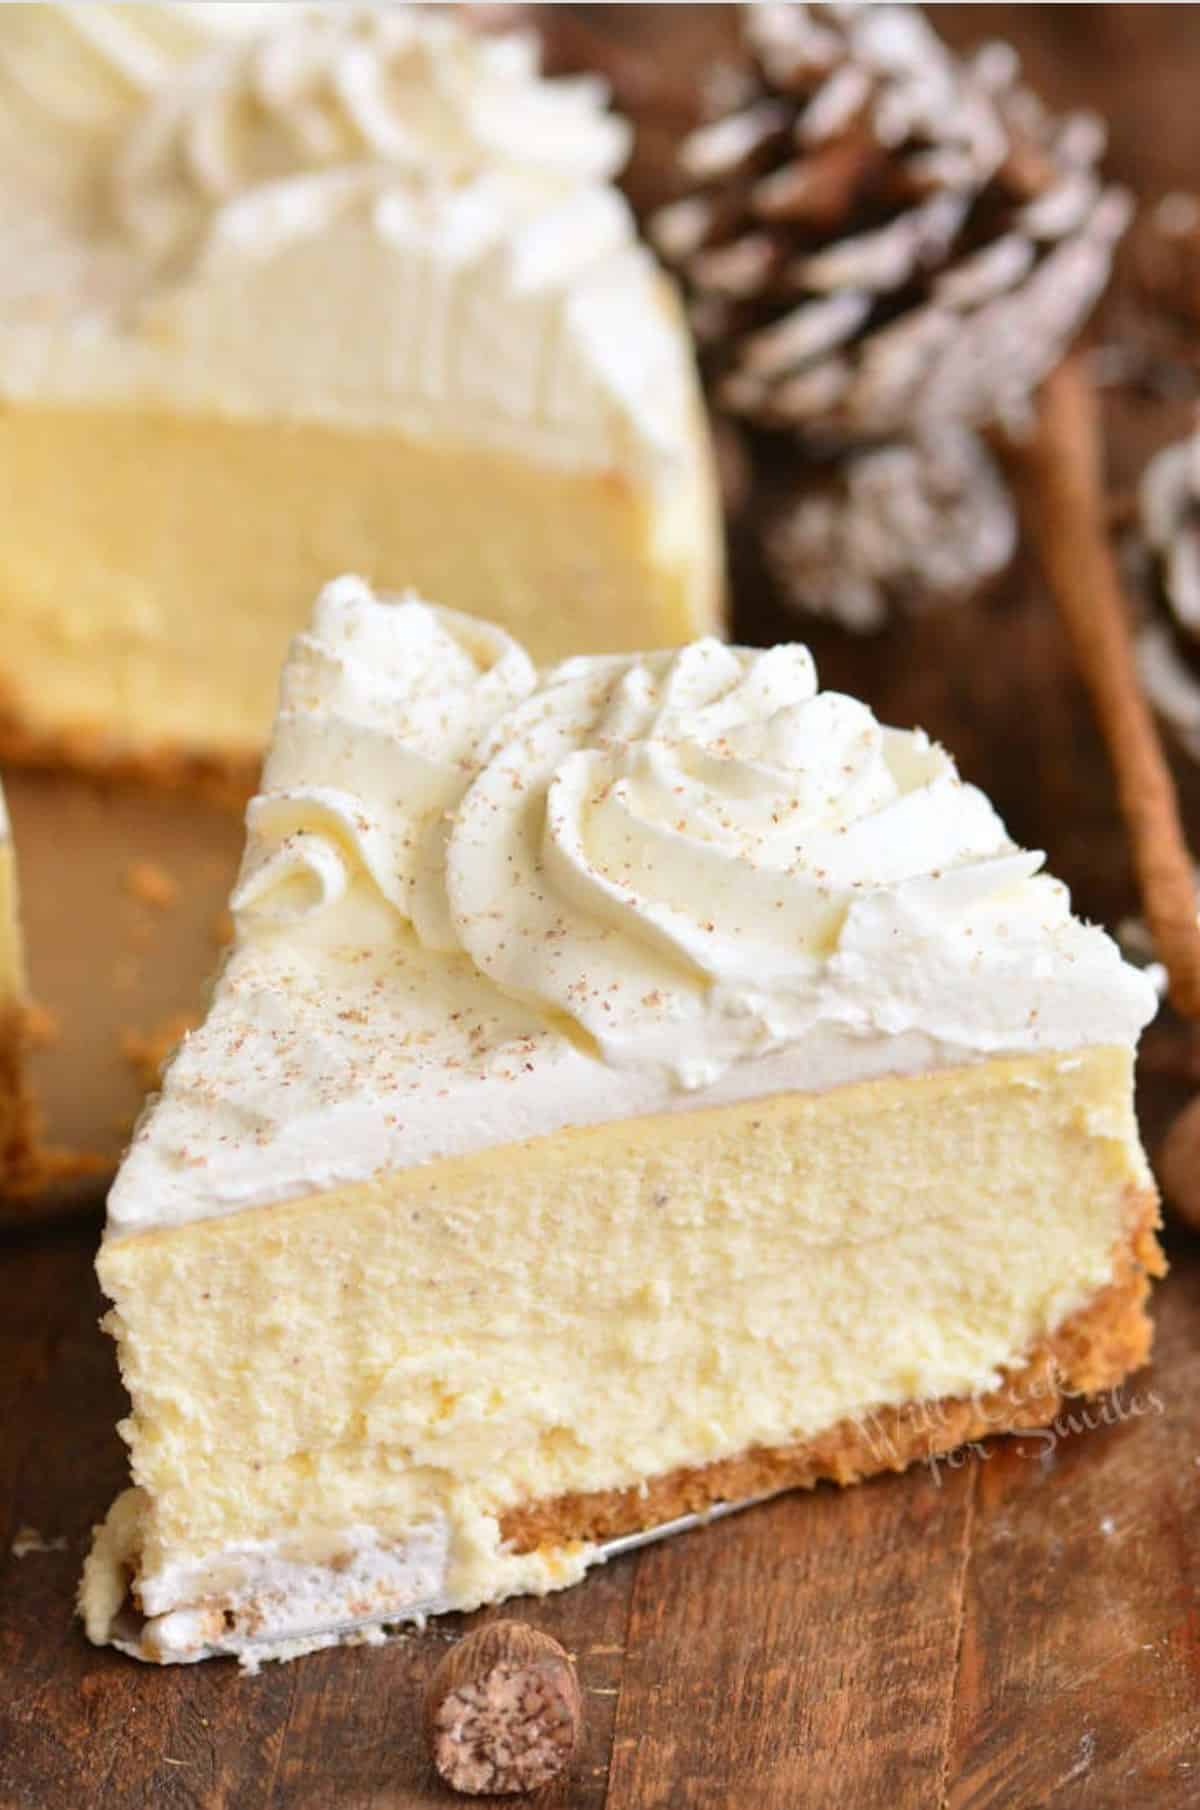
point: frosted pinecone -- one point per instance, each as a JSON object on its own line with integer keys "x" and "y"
{"x": 883, "y": 240}
{"x": 1169, "y": 558}
{"x": 903, "y": 523}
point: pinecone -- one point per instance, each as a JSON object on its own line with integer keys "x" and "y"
{"x": 899, "y": 524}
{"x": 1167, "y": 557}
{"x": 1153, "y": 337}
{"x": 883, "y": 240}
{"x": 1168, "y": 262}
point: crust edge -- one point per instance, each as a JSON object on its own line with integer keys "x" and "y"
{"x": 226, "y": 779}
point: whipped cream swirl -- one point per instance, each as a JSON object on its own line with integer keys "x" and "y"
{"x": 685, "y": 858}
{"x": 356, "y": 89}
{"x": 380, "y": 716}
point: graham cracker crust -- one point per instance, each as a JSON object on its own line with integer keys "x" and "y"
{"x": 223, "y": 779}
{"x": 1092, "y": 1351}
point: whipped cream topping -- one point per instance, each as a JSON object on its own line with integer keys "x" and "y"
{"x": 80, "y": 67}
{"x": 480, "y": 902}
{"x": 71, "y": 80}
{"x": 349, "y": 88}
{"x": 354, "y": 215}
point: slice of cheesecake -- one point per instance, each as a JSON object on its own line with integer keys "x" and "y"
{"x": 636, "y": 1084}
{"x": 16, "y": 1119}
{"x": 351, "y": 292}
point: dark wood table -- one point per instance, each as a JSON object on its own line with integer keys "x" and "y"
{"x": 1017, "y": 1631}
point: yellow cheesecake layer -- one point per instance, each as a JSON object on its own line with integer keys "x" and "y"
{"x": 154, "y": 567}
{"x": 588, "y": 1310}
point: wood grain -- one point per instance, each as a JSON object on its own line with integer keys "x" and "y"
{"x": 1081, "y": 1627}
{"x": 1019, "y": 1633}
{"x": 804, "y": 1653}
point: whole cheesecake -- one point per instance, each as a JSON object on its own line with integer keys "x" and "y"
{"x": 637, "y": 1084}
{"x": 16, "y": 1120}
{"x": 353, "y": 290}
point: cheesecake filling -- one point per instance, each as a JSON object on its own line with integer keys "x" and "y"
{"x": 605, "y": 1306}
{"x": 114, "y": 632}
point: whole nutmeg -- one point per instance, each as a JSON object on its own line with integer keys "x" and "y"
{"x": 1179, "y": 1165}
{"x": 503, "y": 1711}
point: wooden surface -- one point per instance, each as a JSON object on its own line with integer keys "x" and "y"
{"x": 1016, "y": 1632}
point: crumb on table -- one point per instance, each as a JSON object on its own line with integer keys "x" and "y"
{"x": 152, "y": 884}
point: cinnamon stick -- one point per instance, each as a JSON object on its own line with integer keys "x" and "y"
{"x": 1057, "y": 475}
